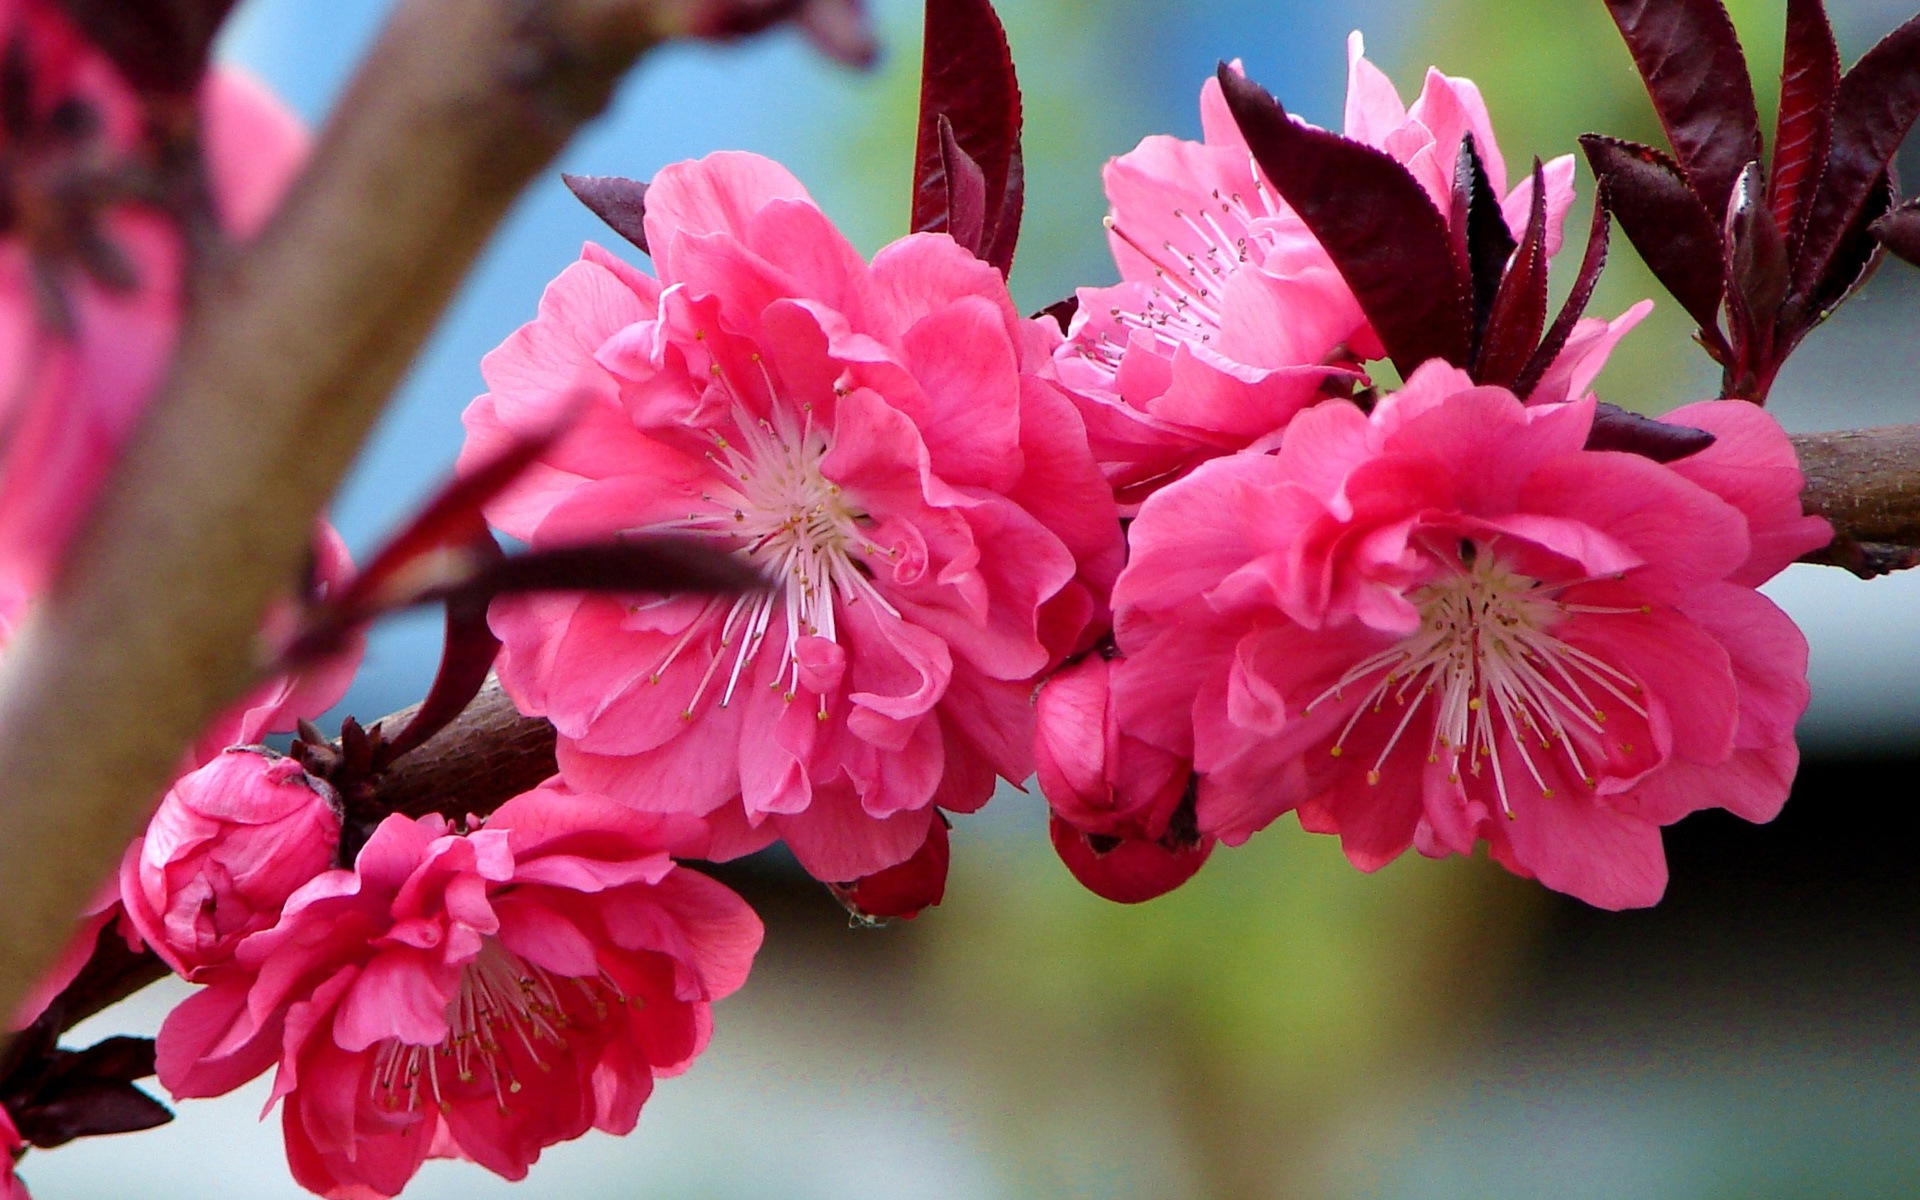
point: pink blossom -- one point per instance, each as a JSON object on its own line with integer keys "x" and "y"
{"x": 477, "y": 995}
{"x": 88, "y": 319}
{"x": 1122, "y": 808}
{"x": 1448, "y": 622}
{"x": 12, "y": 1146}
{"x": 229, "y": 843}
{"x": 905, "y": 890}
{"x": 873, "y": 437}
{"x": 1229, "y": 317}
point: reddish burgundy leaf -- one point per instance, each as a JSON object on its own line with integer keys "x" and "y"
{"x": 654, "y": 564}
{"x": 902, "y": 892}
{"x": 1757, "y": 262}
{"x": 1691, "y": 61}
{"x": 1591, "y": 264}
{"x": 161, "y": 46}
{"x": 122, "y": 1058}
{"x": 1003, "y": 227}
{"x": 89, "y": 1108}
{"x": 1666, "y": 223}
{"x": 1877, "y": 103}
{"x": 1615, "y": 428}
{"x": 1853, "y": 261}
{"x": 1899, "y": 231}
{"x": 1482, "y": 243}
{"x": 411, "y": 561}
{"x": 1376, "y": 223}
{"x": 1520, "y": 307}
{"x": 967, "y": 77}
{"x": 1062, "y": 312}
{"x": 966, "y": 193}
{"x": 621, "y": 203}
{"x": 466, "y": 656}
{"x": 1809, "y": 79}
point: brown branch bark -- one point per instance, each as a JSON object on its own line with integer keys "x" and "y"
{"x": 1867, "y": 482}
{"x": 479, "y": 762}
{"x": 291, "y": 350}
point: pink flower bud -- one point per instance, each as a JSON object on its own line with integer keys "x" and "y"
{"x": 228, "y": 845}
{"x": 902, "y": 891}
{"x": 1122, "y": 809}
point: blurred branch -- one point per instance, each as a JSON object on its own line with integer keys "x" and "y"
{"x": 293, "y": 346}
{"x": 1867, "y": 483}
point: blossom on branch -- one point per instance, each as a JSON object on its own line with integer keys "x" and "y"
{"x": 478, "y": 995}
{"x": 875, "y": 440}
{"x": 229, "y": 843}
{"x": 1230, "y": 317}
{"x": 1447, "y": 622}
{"x": 1123, "y": 808}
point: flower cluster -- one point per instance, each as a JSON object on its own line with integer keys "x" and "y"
{"x": 1430, "y": 618}
{"x": 1173, "y": 553}
{"x": 479, "y": 994}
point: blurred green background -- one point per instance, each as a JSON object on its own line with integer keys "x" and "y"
{"x": 1283, "y": 1026}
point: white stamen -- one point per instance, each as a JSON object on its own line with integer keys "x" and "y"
{"x": 1500, "y": 680}
{"x": 780, "y": 512}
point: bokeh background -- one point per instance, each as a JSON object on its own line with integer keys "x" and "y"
{"x": 1283, "y": 1026}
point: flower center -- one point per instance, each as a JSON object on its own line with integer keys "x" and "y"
{"x": 1498, "y": 677}
{"x": 1183, "y": 305}
{"x": 508, "y": 1017}
{"x": 774, "y": 506}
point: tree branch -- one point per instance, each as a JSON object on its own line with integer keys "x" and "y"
{"x": 292, "y": 348}
{"x": 1867, "y": 482}
{"x": 485, "y": 758}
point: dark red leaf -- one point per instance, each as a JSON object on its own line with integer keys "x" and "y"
{"x": 437, "y": 541}
{"x": 89, "y": 1108}
{"x": 1854, "y": 257}
{"x": 1482, "y": 243}
{"x": 1062, "y": 312}
{"x": 1691, "y": 61}
{"x": 1520, "y": 307}
{"x": 466, "y": 657}
{"x": 902, "y": 892}
{"x": 1809, "y": 80}
{"x": 161, "y": 46}
{"x": 1615, "y": 428}
{"x": 1757, "y": 261}
{"x": 1665, "y": 221}
{"x": 119, "y": 1058}
{"x": 1877, "y": 103}
{"x": 966, "y": 193}
{"x": 1591, "y": 264}
{"x": 1003, "y": 227}
{"x": 1376, "y": 223}
{"x": 967, "y": 77}
{"x": 1899, "y": 231}
{"x": 621, "y": 203}
{"x": 653, "y": 565}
